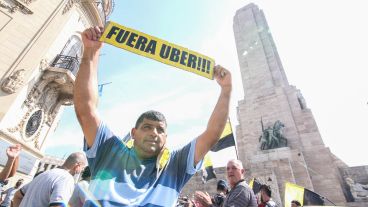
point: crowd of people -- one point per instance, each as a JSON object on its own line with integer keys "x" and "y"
{"x": 145, "y": 174}
{"x": 57, "y": 187}
{"x": 237, "y": 193}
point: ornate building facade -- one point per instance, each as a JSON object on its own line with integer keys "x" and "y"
{"x": 40, "y": 52}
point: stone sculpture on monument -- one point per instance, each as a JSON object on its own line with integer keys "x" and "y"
{"x": 272, "y": 138}
{"x": 358, "y": 190}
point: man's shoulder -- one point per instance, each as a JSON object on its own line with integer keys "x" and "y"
{"x": 56, "y": 173}
{"x": 243, "y": 184}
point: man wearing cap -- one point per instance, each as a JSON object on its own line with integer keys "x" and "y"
{"x": 222, "y": 190}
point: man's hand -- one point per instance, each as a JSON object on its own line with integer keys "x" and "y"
{"x": 90, "y": 38}
{"x": 203, "y": 198}
{"x": 13, "y": 151}
{"x": 223, "y": 77}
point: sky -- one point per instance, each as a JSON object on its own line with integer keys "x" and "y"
{"x": 322, "y": 46}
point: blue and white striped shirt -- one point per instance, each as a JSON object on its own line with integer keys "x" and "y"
{"x": 120, "y": 178}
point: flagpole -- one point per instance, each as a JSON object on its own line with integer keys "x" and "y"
{"x": 236, "y": 148}
{"x": 324, "y": 198}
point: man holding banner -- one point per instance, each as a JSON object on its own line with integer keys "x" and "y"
{"x": 147, "y": 173}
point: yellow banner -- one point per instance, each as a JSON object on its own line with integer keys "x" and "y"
{"x": 158, "y": 49}
{"x": 293, "y": 192}
{"x": 227, "y": 129}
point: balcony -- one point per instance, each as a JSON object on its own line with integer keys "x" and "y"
{"x": 62, "y": 71}
{"x": 66, "y": 62}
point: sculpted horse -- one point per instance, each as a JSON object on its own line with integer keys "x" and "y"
{"x": 272, "y": 138}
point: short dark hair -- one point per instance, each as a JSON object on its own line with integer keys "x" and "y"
{"x": 151, "y": 115}
{"x": 86, "y": 173}
{"x": 222, "y": 185}
{"x": 297, "y": 203}
{"x": 266, "y": 189}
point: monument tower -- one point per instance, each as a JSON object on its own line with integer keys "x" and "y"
{"x": 277, "y": 137}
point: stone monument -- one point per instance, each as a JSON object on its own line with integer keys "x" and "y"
{"x": 291, "y": 149}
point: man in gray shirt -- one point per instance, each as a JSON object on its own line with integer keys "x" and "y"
{"x": 240, "y": 195}
{"x": 53, "y": 187}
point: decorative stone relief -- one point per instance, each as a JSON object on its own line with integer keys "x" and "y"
{"x": 10, "y": 8}
{"x": 43, "y": 64}
{"x": 22, "y": 123}
{"x": 27, "y": 1}
{"x": 358, "y": 190}
{"x": 69, "y": 5}
{"x": 16, "y": 5}
{"x": 13, "y": 82}
{"x": 38, "y": 112}
{"x": 59, "y": 78}
{"x": 33, "y": 123}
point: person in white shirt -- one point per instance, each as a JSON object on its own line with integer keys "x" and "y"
{"x": 53, "y": 187}
{"x": 10, "y": 194}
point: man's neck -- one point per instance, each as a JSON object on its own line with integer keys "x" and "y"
{"x": 141, "y": 156}
{"x": 66, "y": 169}
{"x": 241, "y": 180}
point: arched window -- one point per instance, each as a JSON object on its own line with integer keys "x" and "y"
{"x": 73, "y": 47}
{"x": 70, "y": 55}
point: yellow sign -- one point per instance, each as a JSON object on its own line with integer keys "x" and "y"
{"x": 158, "y": 49}
{"x": 293, "y": 192}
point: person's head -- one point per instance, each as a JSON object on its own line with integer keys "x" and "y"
{"x": 235, "y": 172}
{"x": 149, "y": 134}
{"x": 265, "y": 193}
{"x": 349, "y": 181}
{"x": 19, "y": 183}
{"x": 295, "y": 203}
{"x": 222, "y": 186}
{"x": 75, "y": 163}
{"x": 86, "y": 174}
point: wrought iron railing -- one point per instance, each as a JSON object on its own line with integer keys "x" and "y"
{"x": 66, "y": 62}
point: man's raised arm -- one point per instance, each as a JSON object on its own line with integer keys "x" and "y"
{"x": 11, "y": 166}
{"x": 85, "y": 89}
{"x": 219, "y": 116}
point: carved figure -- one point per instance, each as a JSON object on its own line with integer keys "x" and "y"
{"x": 272, "y": 137}
{"x": 358, "y": 190}
{"x": 301, "y": 100}
{"x": 43, "y": 64}
{"x": 13, "y": 82}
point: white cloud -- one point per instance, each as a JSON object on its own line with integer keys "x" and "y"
{"x": 70, "y": 137}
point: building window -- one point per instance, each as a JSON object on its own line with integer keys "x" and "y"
{"x": 73, "y": 47}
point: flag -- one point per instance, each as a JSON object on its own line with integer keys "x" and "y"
{"x": 301, "y": 194}
{"x": 208, "y": 172}
{"x": 255, "y": 185}
{"x": 100, "y": 87}
{"x": 226, "y": 139}
{"x": 163, "y": 157}
{"x": 127, "y": 140}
